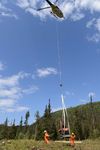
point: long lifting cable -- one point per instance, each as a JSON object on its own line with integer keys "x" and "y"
{"x": 59, "y": 56}
{"x": 64, "y": 108}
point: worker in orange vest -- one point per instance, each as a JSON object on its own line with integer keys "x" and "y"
{"x": 46, "y": 137}
{"x": 72, "y": 140}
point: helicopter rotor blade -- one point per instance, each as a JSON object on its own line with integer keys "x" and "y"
{"x": 55, "y": 1}
{"x": 43, "y": 8}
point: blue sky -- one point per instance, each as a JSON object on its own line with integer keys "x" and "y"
{"x": 29, "y": 64}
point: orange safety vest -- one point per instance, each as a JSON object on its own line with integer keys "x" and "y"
{"x": 72, "y": 140}
{"x": 46, "y": 138}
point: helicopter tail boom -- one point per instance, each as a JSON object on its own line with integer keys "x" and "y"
{"x": 49, "y": 2}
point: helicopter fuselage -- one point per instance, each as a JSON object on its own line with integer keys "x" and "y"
{"x": 55, "y": 10}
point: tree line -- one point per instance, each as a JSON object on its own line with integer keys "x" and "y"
{"x": 84, "y": 122}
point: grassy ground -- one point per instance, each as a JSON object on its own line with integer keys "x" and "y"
{"x": 29, "y": 144}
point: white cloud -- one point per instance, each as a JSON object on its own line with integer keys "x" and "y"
{"x": 23, "y": 3}
{"x": 17, "y": 109}
{"x": 30, "y": 90}
{"x": 4, "y": 14}
{"x": 97, "y": 25}
{"x": 11, "y": 91}
{"x": 90, "y": 23}
{"x": 12, "y": 80}
{"x": 5, "y": 11}
{"x": 95, "y": 37}
{"x": 77, "y": 16}
{"x": 44, "y": 72}
{"x": 94, "y": 24}
{"x": 96, "y": 5}
{"x": 27, "y": 3}
{"x": 6, "y": 103}
{"x": 67, "y": 8}
{"x": 92, "y": 5}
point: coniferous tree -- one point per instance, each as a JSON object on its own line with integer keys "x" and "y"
{"x": 5, "y": 129}
{"x": 12, "y": 131}
{"x": 49, "y": 109}
{"x": 38, "y": 130}
{"x": 37, "y": 116}
{"x": 21, "y": 122}
{"x": 49, "y": 122}
{"x": 26, "y": 118}
{"x": 26, "y": 130}
{"x": 6, "y": 122}
{"x": 21, "y": 125}
{"x": 19, "y": 132}
{"x": 46, "y": 111}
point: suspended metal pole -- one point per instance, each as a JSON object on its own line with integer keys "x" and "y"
{"x": 65, "y": 113}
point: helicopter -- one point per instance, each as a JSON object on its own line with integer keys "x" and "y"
{"x": 55, "y": 10}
